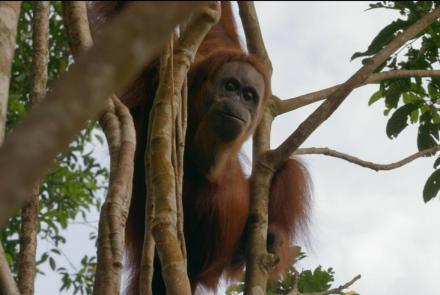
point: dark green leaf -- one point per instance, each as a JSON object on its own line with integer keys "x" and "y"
{"x": 399, "y": 120}
{"x": 394, "y": 91}
{"x": 375, "y": 97}
{"x": 426, "y": 136}
{"x": 437, "y": 163}
{"x": 383, "y": 38}
{"x": 415, "y": 116}
{"x": 52, "y": 263}
{"x": 432, "y": 186}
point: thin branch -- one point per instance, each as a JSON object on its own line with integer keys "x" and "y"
{"x": 111, "y": 127}
{"x": 337, "y": 290}
{"x": 29, "y": 220}
{"x": 114, "y": 212}
{"x": 258, "y": 261}
{"x": 163, "y": 180}
{"x": 72, "y": 265}
{"x": 377, "y": 77}
{"x": 255, "y": 45}
{"x": 252, "y": 31}
{"x": 287, "y": 105}
{"x": 367, "y": 164}
{"x": 284, "y": 106}
{"x": 7, "y": 283}
{"x": 296, "y": 276}
{"x": 80, "y": 95}
{"x": 77, "y": 26}
{"x": 192, "y": 36}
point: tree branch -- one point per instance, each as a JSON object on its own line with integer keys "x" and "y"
{"x": 258, "y": 261}
{"x": 252, "y": 31}
{"x": 114, "y": 212}
{"x": 255, "y": 45}
{"x": 284, "y": 106}
{"x": 29, "y": 217}
{"x": 77, "y": 26}
{"x": 363, "y": 163}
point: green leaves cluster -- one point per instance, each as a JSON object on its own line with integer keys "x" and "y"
{"x": 316, "y": 280}
{"x": 410, "y": 100}
{"x": 75, "y": 183}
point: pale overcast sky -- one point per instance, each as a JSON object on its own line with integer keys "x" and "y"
{"x": 363, "y": 222}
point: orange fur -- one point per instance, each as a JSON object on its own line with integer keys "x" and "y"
{"x": 215, "y": 208}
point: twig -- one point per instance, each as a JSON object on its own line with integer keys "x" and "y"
{"x": 337, "y": 290}
{"x": 255, "y": 45}
{"x": 254, "y": 38}
{"x": 363, "y": 163}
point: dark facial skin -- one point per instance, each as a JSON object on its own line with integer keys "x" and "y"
{"x": 235, "y": 100}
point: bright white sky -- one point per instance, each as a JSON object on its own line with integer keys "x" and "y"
{"x": 363, "y": 222}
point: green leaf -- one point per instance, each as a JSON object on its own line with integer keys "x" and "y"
{"x": 99, "y": 138}
{"x": 43, "y": 258}
{"x": 437, "y": 163}
{"x": 52, "y": 263}
{"x": 426, "y": 136}
{"x": 415, "y": 116}
{"x": 399, "y": 120}
{"x": 409, "y": 97}
{"x": 432, "y": 186}
{"x": 317, "y": 281}
{"x": 393, "y": 92}
{"x": 9, "y": 258}
{"x": 375, "y": 97}
{"x": 55, "y": 250}
{"x": 385, "y": 36}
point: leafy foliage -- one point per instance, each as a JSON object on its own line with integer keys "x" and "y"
{"x": 410, "y": 100}
{"x": 82, "y": 280}
{"x": 75, "y": 183}
{"x": 316, "y": 280}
